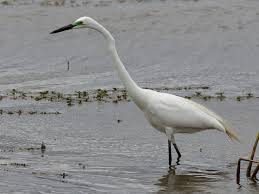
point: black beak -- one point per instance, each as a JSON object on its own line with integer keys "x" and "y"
{"x": 68, "y": 27}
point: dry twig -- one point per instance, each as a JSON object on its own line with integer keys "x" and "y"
{"x": 251, "y": 161}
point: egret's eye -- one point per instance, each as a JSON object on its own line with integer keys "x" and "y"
{"x": 78, "y": 23}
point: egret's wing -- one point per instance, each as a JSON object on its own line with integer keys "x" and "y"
{"x": 179, "y": 112}
{"x": 231, "y": 134}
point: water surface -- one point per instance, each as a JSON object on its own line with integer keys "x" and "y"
{"x": 176, "y": 43}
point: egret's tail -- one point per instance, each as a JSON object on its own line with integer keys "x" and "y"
{"x": 223, "y": 125}
{"x": 231, "y": 134}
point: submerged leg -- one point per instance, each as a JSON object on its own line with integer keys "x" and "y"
{"x": 169, "y": 153}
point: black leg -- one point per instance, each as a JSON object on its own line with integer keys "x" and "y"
{"x": 169, "y": 153}
{"x": 177, "y": 150}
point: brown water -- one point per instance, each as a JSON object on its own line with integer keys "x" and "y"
{"x": 176, "y": 43}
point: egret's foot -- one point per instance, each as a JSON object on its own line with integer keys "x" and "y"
{"x": 178, "y": 161}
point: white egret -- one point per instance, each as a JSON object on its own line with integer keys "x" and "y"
{"x": 167, "y": 113}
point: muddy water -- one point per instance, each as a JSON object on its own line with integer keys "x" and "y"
{"x": 176, "y": 43}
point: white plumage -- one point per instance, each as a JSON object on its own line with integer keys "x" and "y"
{"x": 184, "y": 116}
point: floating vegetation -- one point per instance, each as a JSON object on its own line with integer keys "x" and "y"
{"x": 5, "y": 2}
{"x": 21, "y": 112}
{"x": 39, "y": 173}
{"x": 188, "y": 97}
{"x": 197, "y": 93}
{"x": 69, "y": 101}
{"x": 28, "y": 149}
{"x": 220, "y": 95}
{"x": 180, "y": 88}
{"x": 249, "y": 95}
{"x": 239, "y": 98}
{"x": 16, "y": 164}
{"x": 63, "y": 175}
{"x": 19, "y": 164}
{"x": 24, "y": 149}
{"x": 101, "y": 94}
{"x": 43, "y": 147}
{"x": 53, "y": 3}
{"x": 205, "y": 97}
{"x": 114, "y": 95}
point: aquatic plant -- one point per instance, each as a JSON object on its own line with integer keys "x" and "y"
{"x": 19, "y": 112}
{"x": 113, "y": 95}
{"x": 44, "y": 94}
{"x": 238, "y": 98}
{"x": 69, "y": 101}
{"x": 37, "y": 98}
{"x": 124, "y": 94}
{"x": 59, "y": 95}
{"x": 53, "y": 3}
{"x": 101, "y": 94}
{"x": 249, "y": 95}
{"x": 85, "y": 94}
{"x": 220, "y": 95}
{"x": 78, "y": 94}
{"x": 188, "y": 97}
{"x": 198, "y": 93}
{"x": 19, "y": 164}
{"x": 206, "y": 98}
{"x": 115, "y": 101}
{"x": 43, "y": 146}
{"x": 6, "y": 2}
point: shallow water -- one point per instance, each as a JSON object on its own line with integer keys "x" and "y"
{"x": 176, "y": 43}
{"x": 98, "y": 154}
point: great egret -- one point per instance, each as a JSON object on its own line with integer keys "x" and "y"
{"x": 167, "y": 113}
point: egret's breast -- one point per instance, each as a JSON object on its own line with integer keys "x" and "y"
{"x": 155, "y": 122}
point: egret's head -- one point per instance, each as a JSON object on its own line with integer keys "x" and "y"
{"x": 83, "y": 22}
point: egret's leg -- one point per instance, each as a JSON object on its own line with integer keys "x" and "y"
{"x": 169, "y": 133}
{"x": 169, "y": 153}
{"x": 176, "y": 148}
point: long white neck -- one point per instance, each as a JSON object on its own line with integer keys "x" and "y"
{"x": 135, "y": 92}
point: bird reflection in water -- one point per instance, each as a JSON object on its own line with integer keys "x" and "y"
{"x": 185, "y": 183}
